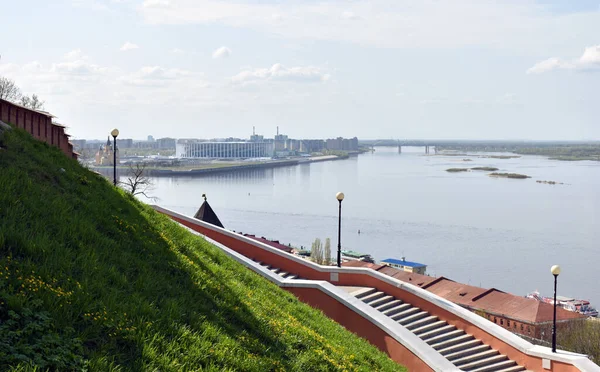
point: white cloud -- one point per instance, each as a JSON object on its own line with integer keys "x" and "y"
{"x": 74, "y": 64}
{"x": 154, "y": 76}
{"x": 129, "y": 46}
{"x": 177, "y": 51}
{"x": 156, "y": 4}
{"x": 350, "y": 15}
{"x": 548, "y": 65}
{"x": 591, "y": 56}
{"x": 74, "y": 55}
{"x": 74, "y": 74}
{"x": 387, "y": 23}
{"x": 32, "y": 67}
{"x": 508, "y": 99}
{"x": 222, "y": 52}
{"x": 589, "y": 60}
{"x": 79, "y": 68}
{"x": 278, "y": 72}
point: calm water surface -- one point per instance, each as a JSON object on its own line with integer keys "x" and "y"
{"x": 469, "y": 227}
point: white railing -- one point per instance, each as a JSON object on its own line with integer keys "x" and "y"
{"x": 580, "y": 361}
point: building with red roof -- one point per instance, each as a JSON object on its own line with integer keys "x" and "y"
{"x": 524, "y": 316}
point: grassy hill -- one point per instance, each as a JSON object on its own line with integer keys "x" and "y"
{"x": 90, "y": 278}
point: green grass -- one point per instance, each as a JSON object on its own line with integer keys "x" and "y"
{"x": 456, "y": 170}
{"x": 90, "y": 278}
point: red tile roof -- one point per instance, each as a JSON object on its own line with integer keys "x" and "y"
{"x": 357, "y": 263}
{"x": 491, "y": 301}
{"x": 272, "y": 243}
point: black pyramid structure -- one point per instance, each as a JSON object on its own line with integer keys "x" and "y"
{"x": 206, "y": 214}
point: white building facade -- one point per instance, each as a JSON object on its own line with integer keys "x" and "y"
{"x": 223, "y": 150}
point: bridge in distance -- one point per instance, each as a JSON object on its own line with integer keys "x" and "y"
{"x": 491, "y": 145}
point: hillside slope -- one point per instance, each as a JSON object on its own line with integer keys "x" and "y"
{"x": 91, "y": 278}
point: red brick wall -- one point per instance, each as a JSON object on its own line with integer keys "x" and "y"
{"x": 531, "y": 362}
{"x": 361, "y": 326}
{"x": 37, "y": 124}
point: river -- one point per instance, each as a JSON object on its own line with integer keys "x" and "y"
{"x": 469, "y": 227}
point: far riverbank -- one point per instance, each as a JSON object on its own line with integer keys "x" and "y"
{"x": 214, "y": 168}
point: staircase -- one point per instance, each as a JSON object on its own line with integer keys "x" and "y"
{"x": 278, "y": 271}
{"x": 465, "y": 351}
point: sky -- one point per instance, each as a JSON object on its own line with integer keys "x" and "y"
{"x": 393, "y": 69}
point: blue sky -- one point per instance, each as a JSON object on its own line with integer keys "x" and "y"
{"x": 517, "y": 69}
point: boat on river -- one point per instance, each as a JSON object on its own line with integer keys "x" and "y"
{"x": 568, "y": 303}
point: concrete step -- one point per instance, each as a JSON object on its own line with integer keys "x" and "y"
{"x": 465, "y": 344}
{"x": 440, "y": 334}
{"x": 476, "y": 347}
{"x": 382, "y": 301}
{"x": 444, "y": 333}
{"x": 413, "y": 318}
{"x": 293, "y": 276}
{"x": 428, "y": 327}
{"x": 422, "y": 322}
{"x": 497, "y": 366}
{"x": 283, "y": 273}
{"x": 405, "y": 313}
{"x": 388, "y": 305}
{"x": 364, "y": 292}
{"x": 475, "y": 357}
{"x": 479, "y": 365}
{"x": 513, "y": 369}
{"x": 372, "y": 297}
{"x": 443, "y": 344}
{"x": 463, "y": 350}
{"x": 397, "y": 309}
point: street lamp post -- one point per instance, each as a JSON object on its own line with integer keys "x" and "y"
{"x": 339, "y": 196}
{"x": 555, "y": 270}
{"x": 114, "y": 133}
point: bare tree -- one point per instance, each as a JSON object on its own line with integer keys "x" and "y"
{"x": 9, "y": 90}
{"x": 138, "y": 183}
{"x": 32, "y": 102}
{"x": 316, "y": 253}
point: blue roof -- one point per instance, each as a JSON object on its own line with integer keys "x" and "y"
{"x": 404, "y": 263}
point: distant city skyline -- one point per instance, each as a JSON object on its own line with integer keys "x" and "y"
{"x": 511, "y": 70}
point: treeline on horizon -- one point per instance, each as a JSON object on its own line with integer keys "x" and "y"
{"x": 559, "y": 152}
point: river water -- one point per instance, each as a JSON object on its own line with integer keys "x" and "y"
{"x": 469, "y": 227}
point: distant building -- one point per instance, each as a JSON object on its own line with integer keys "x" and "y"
{"x": 256, "y": 137}
{"x": 342, "y": 144}
{"x": 145, "y": 144}
{"x": 312, "y": 145}
{"x": 105, "y": 155}
{"x": 292, "y": 145}
{"x": 280, "y": 140}
{"x": 166, "y": 143}
{"x": 411, "y": 267}
{"x": 150, "y": 139}
{"x": 125, "y": 143}
{"x": 186, "y": 148}
{"x": 78, "y": 144}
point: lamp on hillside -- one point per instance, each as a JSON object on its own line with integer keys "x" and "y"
{"x": 339, "y": 196}
{"x": 114, "y": 133}
{"x": 555, "y": 270}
